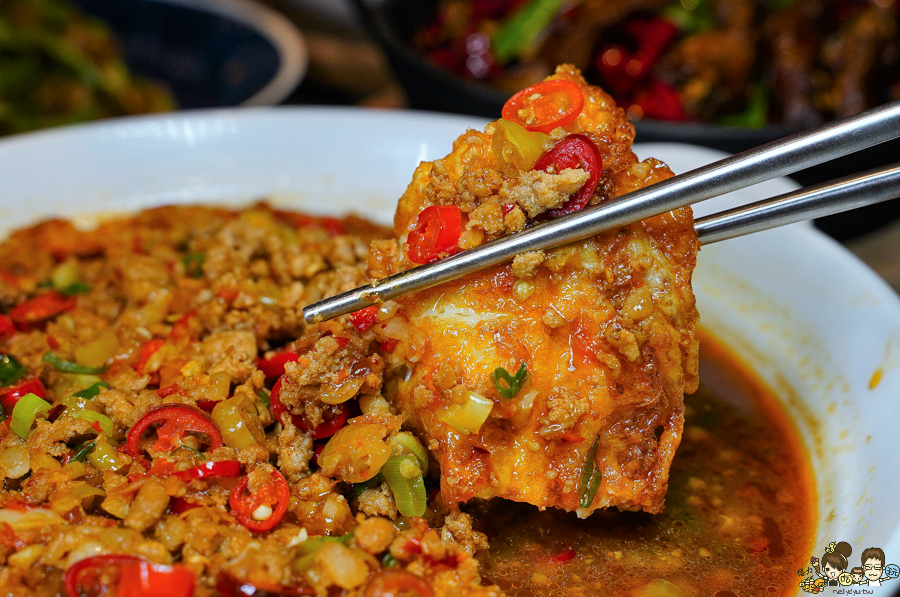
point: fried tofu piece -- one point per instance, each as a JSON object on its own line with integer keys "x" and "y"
{"x": 605, "y": 329}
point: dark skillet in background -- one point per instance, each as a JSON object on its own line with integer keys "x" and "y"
{"x": 429, "y": 87}
{"x": 209, "y": 53}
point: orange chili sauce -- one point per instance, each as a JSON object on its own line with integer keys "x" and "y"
{"x": 740, "y": 510}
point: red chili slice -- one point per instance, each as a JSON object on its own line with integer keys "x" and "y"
{"x": 93, "y": 577}
{"x": 169, "y": 391}
{"x": 364, "y": 318}
{"x": 179, "y": 505}
{"x": 545, "y": 105}
{"x": 389, "y": 583}
{"x": 7, "y": 327}
{"x": 274, "y": 365}
{"x": 563, "y": 556}
{"x": 207, "y": 470}
{"x": 572, "y": 152}
{"x": 437, "y": 232}
{"x": 325, "y": 429}
{"x": 147, "y": 351}
{"x": 9, "y": 396}
{"x": 176, "y": 420}
{"x": 276, "y": 494}
{"x": 43, "y": 306}
{"x": 230, "y": 586}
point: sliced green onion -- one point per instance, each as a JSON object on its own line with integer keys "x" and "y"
{"x": 389, "y": 561}
{"x": 82, "y": 451}
{"x": 309, "y": 549}
{"x": 105, "y": 422}
{"x": 92, "y": 391}
{"x": 469, "y": 417}
{"x": 404, "y": 477}
{"x": 360, "y": 488}
{"x": 11, "y": 370}
{"x": 75, "y": 288}
{"x": 590, "y": 476}
{"x": 407, "y": 444}
{"x": 65, "y": 275}
{"x": 521, "y": 30}
{"x": 193, "y": 264}
{"x": 264, "y": 396}
{"x": 68, "y": 366}
{"x": 24, "y": 413}
{"x": 104, "y": 456}
{"x": 514, "y": 383}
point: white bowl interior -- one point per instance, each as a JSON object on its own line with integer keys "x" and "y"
{"x": 808, "y": 317}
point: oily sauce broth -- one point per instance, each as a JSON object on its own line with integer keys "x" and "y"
{"x": 739, "y": 512}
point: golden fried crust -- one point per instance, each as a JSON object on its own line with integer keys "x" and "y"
{"x": 606, "y": 328}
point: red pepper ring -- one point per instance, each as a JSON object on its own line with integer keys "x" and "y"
{"x": 176, "y": 419}
{"x": 436, "y": 232}
{"x": 207, "y": 470}
{"x": 92, "y": 577}
{"x": 276, "y": 495}
{"x": 29, "y": 385}
{"x": 388, "y": 582}
{"x": 325, "y": 429}
{"x": 43, "y": 306}
{"x": 553, "y": 103}
{"x": 574, "y": 151}
{"x": 274, "y": 365}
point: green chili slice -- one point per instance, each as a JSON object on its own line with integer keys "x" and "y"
{"x": 590, "y": 477}
{"x": 514, "y": 383}
{"x": 404, "y": 477}
{"x": 65, "y": 366}
{"x": 24, "y": 413}
{"x": 193, "y": 264}
{"x": 11, "y": 370}
{"x": 82, "y": 451}
{"x": 264, "y": 396}
{"x": 92, "y": 391}
{"x": 75, "y": 288}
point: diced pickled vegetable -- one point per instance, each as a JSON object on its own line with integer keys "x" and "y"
{"x": 516, "y": 148}
{"x": 239, "y": 423}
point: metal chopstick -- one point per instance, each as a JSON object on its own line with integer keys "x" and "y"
{"x": 771, "y": 160}
{"x": 836, "y": 196}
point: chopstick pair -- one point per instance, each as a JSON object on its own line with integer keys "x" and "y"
{"x": 748, "y": 168}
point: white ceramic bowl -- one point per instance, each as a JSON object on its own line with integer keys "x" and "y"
{"x": 812, "y": 320}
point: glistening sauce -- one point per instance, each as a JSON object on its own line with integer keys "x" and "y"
{"x": 739, "y": 515}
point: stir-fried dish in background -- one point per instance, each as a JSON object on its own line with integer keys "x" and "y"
{"x": 738, "y": 62}
{"x": 169, "y": 416}
{"x": 58, "y": 66}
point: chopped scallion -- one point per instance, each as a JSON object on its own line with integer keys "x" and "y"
{"x": 68, "y": 366}
{"x": 514, "y": 383}
{"x": 24, "y": 413}
{"x": 407, "y": 486}
{"x": 92, "y": 391}
{"x": 469, "y": 417}
{"x": 405, "y": 443}
{"x": 360, "y": 488}
{"x": 193, "y": 264}
{"x": 75, "y": 288}
{"x": 264, "y": 396}
{"x": 82, "y": 451}
{"x": 105, "y": 422}
{"x": 590, "y": 477}
{"x": 389, "y": 561}
{"x": 11, "y": 370}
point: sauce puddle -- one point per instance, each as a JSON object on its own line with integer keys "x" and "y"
{"x": 739, "y": 514}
